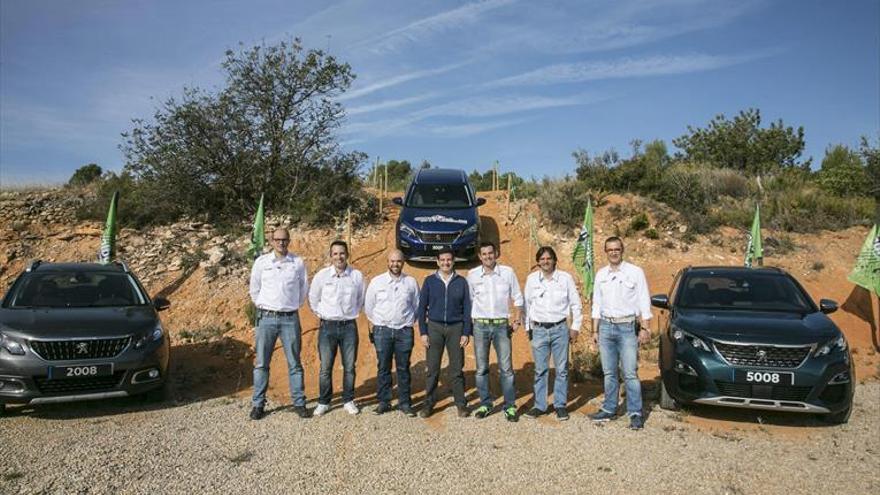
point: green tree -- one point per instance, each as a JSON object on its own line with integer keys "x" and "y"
{"x": 269, "y": 130}
{"x": 399, "y": 174}
{"x": 85, "y": 175}
{"x": 742, "y": 144}
{"x": 843, "y": 172}
{"x": 871, "y": 156}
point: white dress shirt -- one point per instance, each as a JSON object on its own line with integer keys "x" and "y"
{"x": 392, "y": 301}
{"x": 279, "y": 284}
{"x": 491, "y": 292}
{"x": 337, "y": 296}
{"x": 621, "y": 293}
{"x": 550, "y": 299}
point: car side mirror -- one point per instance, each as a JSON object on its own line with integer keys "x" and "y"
{"x": 827, "y": 306}
{"x": 481, "y": 201}
{"x": 660, "y": 301}
{"x": 161, "y": 304}
{"x": 398, "y": 201}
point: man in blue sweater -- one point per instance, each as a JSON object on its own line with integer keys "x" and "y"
{"x": 444, "y": 322}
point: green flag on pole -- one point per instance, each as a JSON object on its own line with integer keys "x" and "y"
{"x": 583, "y": 252}
{"x": 866, "y": 273}
{"x": 108, "y": 238}
{"x": 258, "y": 236}
{"x": 755, "y": 248}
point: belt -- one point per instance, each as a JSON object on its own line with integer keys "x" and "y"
{"x": 621, "y": 319}
{"x": 338, "y": 322}
{"x": 491, "y": 321}
{"x": 542, "y": 324}
{"x": 269, "y": 312}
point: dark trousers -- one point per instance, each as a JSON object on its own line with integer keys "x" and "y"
{"x": 335, "y": 335}
{"x": 442, "y": 336}
{"x": 397, "y": 344}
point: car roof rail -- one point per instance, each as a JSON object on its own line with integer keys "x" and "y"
{"x": 33, "y": 265}
{"x": 123, "y": 265}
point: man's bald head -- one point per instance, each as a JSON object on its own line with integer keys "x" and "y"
{"x": 395, "y": 262}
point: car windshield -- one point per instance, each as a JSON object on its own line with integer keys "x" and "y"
{"x": 756, "y": 291}
{"x": 77, "y": 289}
{"x": 439, "y": 196}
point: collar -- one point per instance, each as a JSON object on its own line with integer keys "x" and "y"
{"x": 393, "y": 279}
{"x": 495, "y": 271}
{"x": 554, "y": 276}
{"x": 345, "y": 273}
{"x": 619, "y": 267}
{"x": 440, "y": 277}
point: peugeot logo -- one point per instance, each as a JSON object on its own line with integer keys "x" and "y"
{"x": 761, "y": 355}
{"x": 82, "y": 348}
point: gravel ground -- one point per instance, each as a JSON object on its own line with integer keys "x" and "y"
{"x": 209, "y": 446}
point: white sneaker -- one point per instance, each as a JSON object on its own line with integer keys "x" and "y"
{"x": 321, "y": 410}
{"x": 351, "y": 408}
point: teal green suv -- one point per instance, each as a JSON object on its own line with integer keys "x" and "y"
{"x": 752, "y": 338}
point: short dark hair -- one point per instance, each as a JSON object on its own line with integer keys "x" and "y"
{"x": 488, "y": 244}
{"x": 545, "y": 249}
{"x": 338, "y": 242}
{"x": 446, "y": 250}
{"x": 614, "y": 238}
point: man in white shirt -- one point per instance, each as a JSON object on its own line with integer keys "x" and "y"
{"x": 391, "y": 303}
{"x": 336, "y": 297}
{"x": 493, "y": 287}
{"x": 620, "y": 298}
{"x": 551, "y": 295}
{"x": 278, "y": 288}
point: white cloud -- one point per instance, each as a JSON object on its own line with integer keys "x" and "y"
{"x": 396, "y": 80}
{"x": 462, "y": 130}
{"x": 388, "y": 104}
{"x": 486, "y": 106}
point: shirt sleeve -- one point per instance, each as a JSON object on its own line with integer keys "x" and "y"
{"x": 597, "y": 299}
{"x": 360, "y": 293}
{"x": 303, "y": 284}
{"x": 370, "y": 299}
{"x": 515, "y": 293}
{"x": 315, "y": 294}
{"x": 574, "y": 299}
{"x": 467, "y": 328}
{"x": 644, "y": 297}
{"x": 527, "y": 303}
{"x": 421, "y": 313}
{"x": 415, "y": 295}
{"x": 256, "y": 281}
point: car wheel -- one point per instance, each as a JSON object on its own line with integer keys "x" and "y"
{"x": 666, "y": 400}
{"x": 837, "y": 418}
{"x": 157, "y": 395}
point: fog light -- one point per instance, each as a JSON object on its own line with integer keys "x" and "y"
{"x": 153, "y": 373}
{"x": 11, "y": 386}
{"x": 842, "y": 377}
{"x": 144, "y": 376}
{"x": 685, "y": 368}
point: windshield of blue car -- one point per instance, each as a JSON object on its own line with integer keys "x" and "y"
{"x": 439, "y": 196}
{"x": 78, "y": 289}
{"x": 755, "y": 291}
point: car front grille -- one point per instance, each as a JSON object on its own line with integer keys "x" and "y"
{"x": 79, "y": 385}
{"x": 75, "y": 350}
{"x": 439, "y": 237}
{"x": 773, "y": 392}
{"x": 764, "y": 356}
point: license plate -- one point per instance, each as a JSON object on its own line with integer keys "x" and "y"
{"x": 437, "y": 248}
{"x": 83, "y": 371}
{"x": 764, "y": 377}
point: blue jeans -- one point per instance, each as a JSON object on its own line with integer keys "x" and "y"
{"x": 333, "y": 335}
{"x": 497, "y": 336}
{"x": 619, "y": 342}
{"x": 547, "y": 341}
{"x": 268, "y": 331}
{"x": 397, "y": 344}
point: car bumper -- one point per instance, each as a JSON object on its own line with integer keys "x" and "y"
{"x": 465, "y": 248}
{"x": 694, "y": 376}
{"x": 25, "y": 379}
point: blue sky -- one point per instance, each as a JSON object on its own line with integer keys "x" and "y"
{"x": 458, "y": 83}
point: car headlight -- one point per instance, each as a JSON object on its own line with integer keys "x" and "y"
{"x": 838, "y": 344}
{"x": 11, "y": 346}
{"x": 470, "y": 230}
{"x": 152, "y": 336}
{"x": 406, "y": 229}
{"x": 682, "y": 337}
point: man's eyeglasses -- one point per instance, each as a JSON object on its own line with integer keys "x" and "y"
{"x": 286, "y": 239}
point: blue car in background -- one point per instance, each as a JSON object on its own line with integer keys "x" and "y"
{"x": 439, "y": 210}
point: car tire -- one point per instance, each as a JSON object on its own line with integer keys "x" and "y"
{"x": 666, "y": 401}
{"x": 837, "y": 418}
{"x": 157, "y": 395}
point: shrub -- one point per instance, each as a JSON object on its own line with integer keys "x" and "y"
{"x": 639, "y": 222}
{"x": 85, "y": 175}
{"x": 563, "y": 201}
{"x": 585, "y": 364}
{"x": 652, "y": 233}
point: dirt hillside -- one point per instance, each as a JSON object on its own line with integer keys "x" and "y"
{"x": 212, "y": 338}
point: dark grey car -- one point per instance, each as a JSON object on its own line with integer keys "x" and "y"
{"x": 80, "y": 331}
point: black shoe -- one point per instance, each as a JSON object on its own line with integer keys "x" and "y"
{"x": 382, "y": 408}
{"x": 534, "y": 413}
{"x": 427, "y": 411}
{"x": 257, "y": 413}
{"x": 510, "y": 414}
{"x": 463, "y": 412}
{"x": 407, "y": 411}
{"x": 481, "y": 412}
{"x": 601, "y": 416}
{"x": 636, "y": 422}
{"x": 561, "y": 414}
{"x": 301, "y": 411}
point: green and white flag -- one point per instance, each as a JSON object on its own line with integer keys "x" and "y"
{"x": 866, "y": 273}
{"x": 108, "y": 238}
{"x": 755, "y": 248}
{"x": 258, "y": 236}
{"x": 583, "y": 252}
